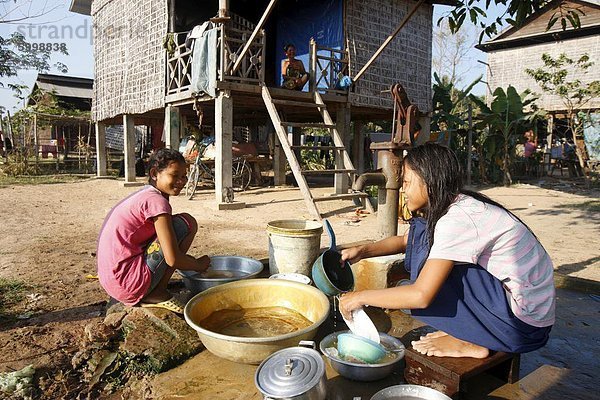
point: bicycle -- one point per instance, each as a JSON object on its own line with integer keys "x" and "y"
{"x": 241, "y": 174}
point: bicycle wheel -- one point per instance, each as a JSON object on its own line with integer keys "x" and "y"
{"x": 192, "y": 183}
{"x": 241, "y": 175}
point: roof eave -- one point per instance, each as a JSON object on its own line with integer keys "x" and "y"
{"x": 83, "y": 7}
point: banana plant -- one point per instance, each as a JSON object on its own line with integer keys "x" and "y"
{"x": 505, "y": 121}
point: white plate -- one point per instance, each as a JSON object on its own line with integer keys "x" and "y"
{"x": 362, "y": 325}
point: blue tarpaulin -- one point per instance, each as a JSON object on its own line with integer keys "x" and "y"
{"x": 298, "y": 21}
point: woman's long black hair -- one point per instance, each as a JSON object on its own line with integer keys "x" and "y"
{"x": 440, "y": 170}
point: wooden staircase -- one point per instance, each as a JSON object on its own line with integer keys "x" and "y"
{"x": 341, "y": 154}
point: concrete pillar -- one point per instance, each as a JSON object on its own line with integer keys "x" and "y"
{"x": 172, "y": 127}
{"x": 129, "y": 147}
{"x": 100, "y": 149}
{"x": 342, "y": 123}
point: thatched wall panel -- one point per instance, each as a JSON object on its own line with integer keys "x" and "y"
{"x": 507, "y": 67}
{"x": 129, "y": 57}
{"x": 406, "y": 60}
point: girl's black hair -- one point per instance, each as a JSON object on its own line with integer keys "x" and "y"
{"x": 440, "y": 170}
{"x": 287, "y": 46}
{"x": 161, "y": 160}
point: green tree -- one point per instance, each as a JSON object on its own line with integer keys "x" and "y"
{"x": 554, "y": 78}
{"x": 16, "y": 52}
{"x": 515, "y": 14}
{"x": 505, "y": 121}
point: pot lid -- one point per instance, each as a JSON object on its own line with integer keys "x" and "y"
{"x": 290, "y": 372}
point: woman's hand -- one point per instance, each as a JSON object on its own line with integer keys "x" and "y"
{"x": 353, "y": 255}
{"x": 350, "y": 302}
{"x": 202, "y": 263}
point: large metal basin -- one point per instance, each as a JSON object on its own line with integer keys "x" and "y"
{"x": 252, "y": 294}
{"x": 223, "y": 269}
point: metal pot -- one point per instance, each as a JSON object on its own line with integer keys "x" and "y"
{"x": 409, "y": 392}
{"x": 296, "y": 373}
{"x": 234, "y": 268}
{"x": 364, "y": 372}
{"x": 327, "y": 272}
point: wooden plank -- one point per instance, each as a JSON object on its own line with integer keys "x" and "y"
{"x": 308, "y": 125}
{"x": 347, "y": 196}
{"x": 318, "y": 148}
{"x": 293, "y": 162}
{"x": 297, "y": 103}
{"x": 337, "y": 140}
{"x": 328, "y": 171}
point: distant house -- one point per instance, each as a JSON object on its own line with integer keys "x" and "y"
{"x": 516, "y": 49}
{"x": 71, "y": 93}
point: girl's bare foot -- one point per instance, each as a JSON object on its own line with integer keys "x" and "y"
{"x": 440, "y": 344}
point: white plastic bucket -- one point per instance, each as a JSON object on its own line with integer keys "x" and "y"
{"x": 294, "y": 245}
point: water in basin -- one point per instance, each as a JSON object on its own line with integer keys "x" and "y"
{"x": 255, "y": 322}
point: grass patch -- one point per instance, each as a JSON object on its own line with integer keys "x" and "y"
{"x": 11, "y": 293}
{"x": 39, "y": 179}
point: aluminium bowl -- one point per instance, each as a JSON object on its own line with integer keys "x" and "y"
{"x": 306, "y": 300}
{"x": 237, "y": 267}
{"x": 364, "y": 372}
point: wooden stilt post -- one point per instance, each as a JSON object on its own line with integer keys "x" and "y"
{"x": 342, "y": 117}
{"x": 172, "y": 127}
{"x": 279, "y": 162}
{"x": 100, "y": 149}
{"x": 36, "y": 148}
{"x": 129, "y": 148}
{"x": 548, "y": 150}
{"x": 358, "y": 148}
{"x": 224, "y": 142}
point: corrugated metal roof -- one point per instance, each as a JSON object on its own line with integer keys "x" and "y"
{"x": 81, "y": 7}
{"x": 66, "y": 91}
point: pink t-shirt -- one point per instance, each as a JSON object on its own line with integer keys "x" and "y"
{"x": 479, "y": 233}
{"x": 126, "y": 232}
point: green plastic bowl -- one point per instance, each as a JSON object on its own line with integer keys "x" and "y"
{"x": 350, "y": 345}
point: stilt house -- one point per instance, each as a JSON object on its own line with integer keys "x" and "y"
{"x": 170, "y": 61}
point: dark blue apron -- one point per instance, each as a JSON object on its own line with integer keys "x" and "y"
{"x": 471, "y": 304}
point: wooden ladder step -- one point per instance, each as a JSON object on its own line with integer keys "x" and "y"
{"x": 318, "y": 147}
{"x": 308, "y": 125}
{"x": 298, "y": 103}
{"x": 358, "y": 195}
{"x": 328, "y": 171}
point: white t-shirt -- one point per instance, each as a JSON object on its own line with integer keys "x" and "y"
{"x": 479, "y": 233}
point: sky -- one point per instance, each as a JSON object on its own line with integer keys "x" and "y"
{"x": 59, "y": 26}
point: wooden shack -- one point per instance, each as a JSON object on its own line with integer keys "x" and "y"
{"x": 145, "y": 73}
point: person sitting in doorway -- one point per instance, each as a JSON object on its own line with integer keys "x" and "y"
{"x": 292, "y": 70}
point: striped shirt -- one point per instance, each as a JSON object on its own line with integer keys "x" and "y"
{"x": 479, "y": 233}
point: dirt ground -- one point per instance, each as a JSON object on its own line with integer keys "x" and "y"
{"x": 48, "y": 237}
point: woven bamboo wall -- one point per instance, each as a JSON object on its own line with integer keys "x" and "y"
{"x": 507, "y": 67}
{"x": 129, "y": 57}
{"x": 406, "y": 60}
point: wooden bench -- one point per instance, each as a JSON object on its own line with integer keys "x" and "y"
{"x": 450, "y": 375}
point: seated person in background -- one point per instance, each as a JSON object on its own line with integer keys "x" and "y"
{"x": 292, "y": 70}
{"x": 530, "y": 144}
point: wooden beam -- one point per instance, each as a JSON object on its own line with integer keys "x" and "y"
{"x": 257, "y": 29}
{"x": 172, "y": 127}
{"x": 387, "y": 41}
{"x": 223, "y": 142}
